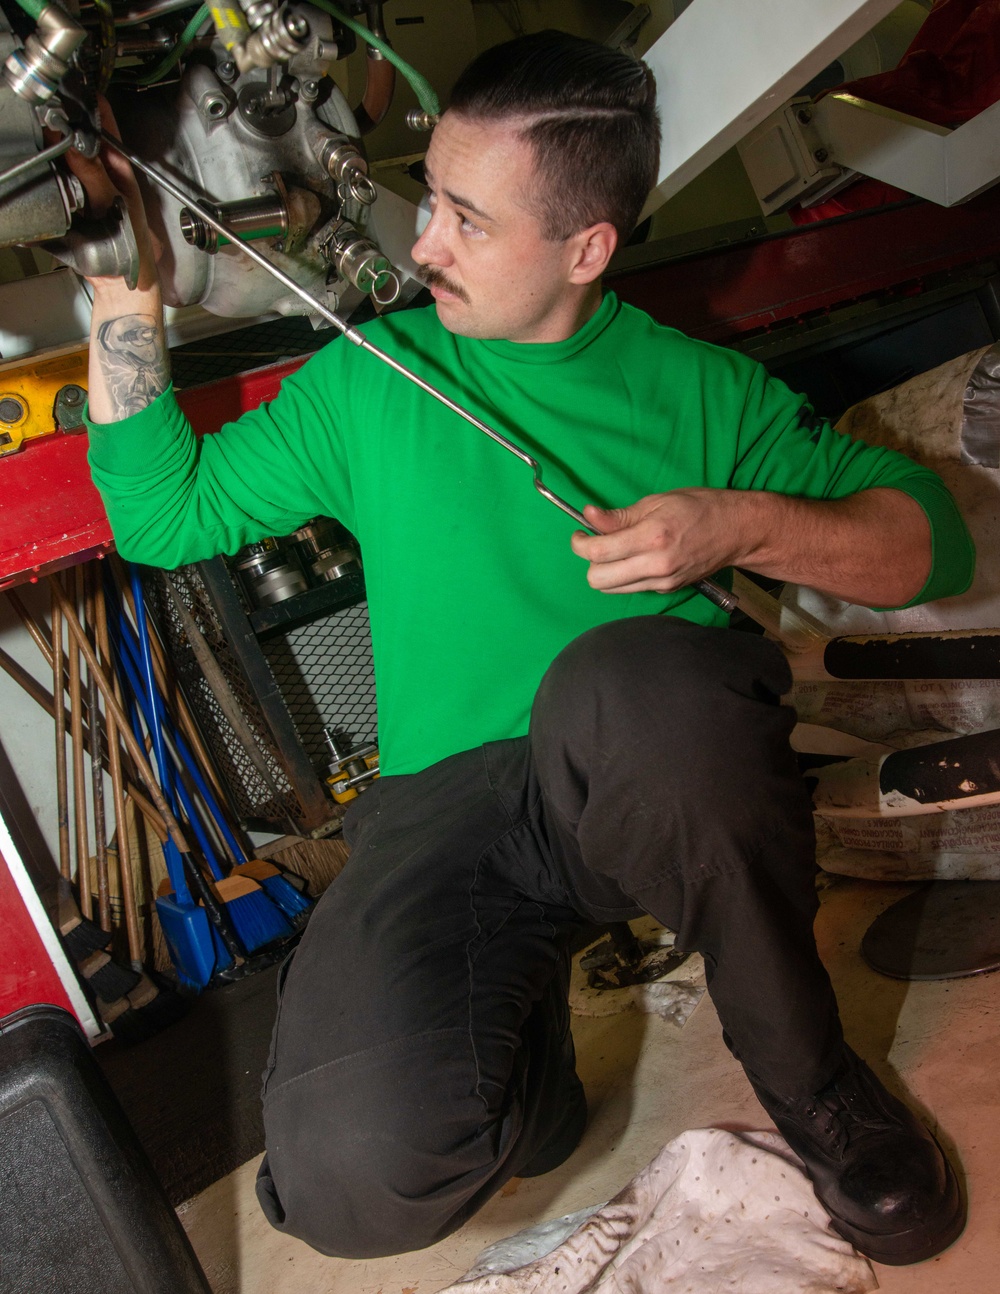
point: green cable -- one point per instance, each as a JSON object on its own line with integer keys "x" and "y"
{"x": 422, "y": 88}
{"x": 179, "y": 50}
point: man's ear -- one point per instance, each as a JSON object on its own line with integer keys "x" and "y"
{"x": 593, "y": 249}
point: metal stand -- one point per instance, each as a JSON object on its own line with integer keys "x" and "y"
{"x": 279, "y": 786}
{"x": 944, "y": 930}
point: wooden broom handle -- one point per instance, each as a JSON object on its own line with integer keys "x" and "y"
{"x": 47, "y": 701}
{"x": 135, "y": 750}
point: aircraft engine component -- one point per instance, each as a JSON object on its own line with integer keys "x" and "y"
{"x": 244, "y": 116}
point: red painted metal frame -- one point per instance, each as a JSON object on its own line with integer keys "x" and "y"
{"x": 51, "y": 515}
{"x": 27, "y": 975}
{"x": 731, "y": 292}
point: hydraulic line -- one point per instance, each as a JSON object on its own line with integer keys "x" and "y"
{"x": 184, "y": 40}
{"x": 13, "y": 176}
{"x": 422, "y": 88}
{"x": 33, "y": 7}
{"x": 714, "y": 592}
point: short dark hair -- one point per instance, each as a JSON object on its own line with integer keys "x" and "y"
{"x": 590, "y": 115}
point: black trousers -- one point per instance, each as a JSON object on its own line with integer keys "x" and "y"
{"x": 422, "y": 1053}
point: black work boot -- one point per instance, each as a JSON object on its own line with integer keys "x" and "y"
{"x": 877, "y": 1171}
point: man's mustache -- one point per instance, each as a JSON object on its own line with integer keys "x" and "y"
{"x": 436, "y": 279}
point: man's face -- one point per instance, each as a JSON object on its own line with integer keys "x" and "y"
{"x": 490, "y": 270}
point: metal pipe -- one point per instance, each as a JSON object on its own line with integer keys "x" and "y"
{"x": 248, "y": 218}
{"x": 715, "y": 593}
{"x": 25, "y": 168}
{"x": 380, "y": 75}
{"x": 145, "y": 13}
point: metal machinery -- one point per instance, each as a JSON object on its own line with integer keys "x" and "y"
{"x": 241, "y": 109}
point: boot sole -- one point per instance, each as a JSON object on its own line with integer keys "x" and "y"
{"x": 901, "y": 1248}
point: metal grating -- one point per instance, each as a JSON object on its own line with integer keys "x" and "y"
{"x": 251, "y": 795}
{"x": 325, "y": 673}
{"x": 226, "y": 354}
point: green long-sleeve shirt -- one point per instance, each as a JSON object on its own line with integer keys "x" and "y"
{"x": 472, "y": 586}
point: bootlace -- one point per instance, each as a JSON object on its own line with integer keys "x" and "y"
{"x": 844, "y": 1111}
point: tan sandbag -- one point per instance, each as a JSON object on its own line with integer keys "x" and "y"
{"x": 950, "y": 413}
{"x": 948, "y": 419}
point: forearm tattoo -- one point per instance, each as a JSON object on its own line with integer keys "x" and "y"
{"x": 133, "y": 362}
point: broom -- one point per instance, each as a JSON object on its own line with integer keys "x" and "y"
{"x": 194, "y": 933}
{"x": 278, "y": 887}
{"x": 256, "y": 919}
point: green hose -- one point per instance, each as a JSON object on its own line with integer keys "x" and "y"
{"x": 33, "y": 7}
{"x": 179, "y": 50}
{"x": 422, "y": 88}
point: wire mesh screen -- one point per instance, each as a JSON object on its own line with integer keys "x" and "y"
{"x": 325, "y": 673}
{"x": 226, "y": 354}
{"x": 253, "y": 795}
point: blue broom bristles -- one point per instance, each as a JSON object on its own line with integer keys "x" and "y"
{"x": 256, "y": 920}
{"x": 286, "y": 896}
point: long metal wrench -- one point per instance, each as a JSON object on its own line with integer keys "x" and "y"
{"x": 714, "y": 592}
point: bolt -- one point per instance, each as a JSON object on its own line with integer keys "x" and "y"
{"x": 226, "y": 71}
{"x": 72, "y": 394}
{"x": 75, "y": 192}
{"x": 309, "y": 91}
{"x": 821, "y": 155}
{"x": 11, "y": 409}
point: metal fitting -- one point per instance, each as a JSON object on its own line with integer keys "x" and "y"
{"x": 357, "y": 259}
{"x": 215, "y": 105}
{"x": 34, "y": 72}
{"x": 12, "y": 409}
{"x": 281, "y": 36}
{"x": 418, "y": 119}
{"x": 250, "y": 218}
{"x": 349, "y": 772}
{"x": 68, "y": 408}
{"x": 269, "y": 574}
{"x": 258, "y": 11}
{"x": 343, "y": 162}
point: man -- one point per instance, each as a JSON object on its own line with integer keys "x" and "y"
{"x": 422, "y": 1053}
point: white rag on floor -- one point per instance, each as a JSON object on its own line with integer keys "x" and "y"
{"x": 715, "y": 1212}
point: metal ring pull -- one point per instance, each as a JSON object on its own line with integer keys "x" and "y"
{"x": 386, "y": 289}
{"x": 361, "y": 186}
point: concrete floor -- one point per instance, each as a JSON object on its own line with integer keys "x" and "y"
{"x": 648, "y": 1081}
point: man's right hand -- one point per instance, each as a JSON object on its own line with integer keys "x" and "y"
{"x": 128, "y": 357}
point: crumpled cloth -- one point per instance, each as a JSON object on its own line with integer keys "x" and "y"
{"x": 714, "y": 1212}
